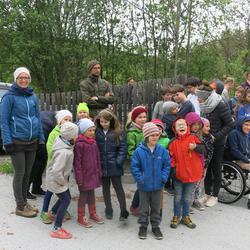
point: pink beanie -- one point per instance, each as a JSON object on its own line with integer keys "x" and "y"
{"x": 192, "y": 117}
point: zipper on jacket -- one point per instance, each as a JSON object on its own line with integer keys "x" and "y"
{"x": 31, "y": 132}
{"x": 105, "y": 151}
{"x": 13, "y": 117}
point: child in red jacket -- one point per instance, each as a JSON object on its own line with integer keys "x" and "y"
{"x": 187, "y": 167}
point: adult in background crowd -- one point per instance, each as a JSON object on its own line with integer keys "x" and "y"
{"x": 246, "y": 84}
{"x": 21, "y": 133}
{"x": 128, "y": 88}
{"x": 166, "y": 94}
{"x": 48, "y": 123}
{"x": 192, "y": 84}
{"x": 179, "y": 96}
{"x": 96, "y": 92}
{"x": 228, "y": 84}
{"x": 218, "y": 113}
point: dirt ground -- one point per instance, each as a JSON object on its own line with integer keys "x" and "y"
{"x": 220, "y": 227}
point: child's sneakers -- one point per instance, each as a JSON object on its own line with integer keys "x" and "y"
{"x": 188, "y": 222}
{"x": 83, "y": 221}
{"x": 204, "y": 198}
{"x": 51, "y": 215}
{"x": 212, "y": 201}
{"x": 142, "y": 233}
{"x": 157, "y": 233}
{"x": 96, "y": 218}
{"x": 198, "y": 205}
{"x": 124, "y": 215}
{"x": 60, "y": 234}
{"x": 45, "y": 218}
{"x": 175, "y": 222}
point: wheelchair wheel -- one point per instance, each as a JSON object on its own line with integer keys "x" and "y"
{"x": 233, "y": 183}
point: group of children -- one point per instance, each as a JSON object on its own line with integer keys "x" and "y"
{"x": 176, "y": 144}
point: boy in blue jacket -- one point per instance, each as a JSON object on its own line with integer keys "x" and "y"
{"x": 150, "y": 167}
{"x": 238, "y": 145}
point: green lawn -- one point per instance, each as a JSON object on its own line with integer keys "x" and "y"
{"x": 6, "y": 168}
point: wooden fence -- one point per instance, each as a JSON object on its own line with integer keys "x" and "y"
{"x": 143, "y": 93}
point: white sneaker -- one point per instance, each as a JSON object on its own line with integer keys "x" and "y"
{"x": 204, "y": 198}
{"x": 212, "y": 201}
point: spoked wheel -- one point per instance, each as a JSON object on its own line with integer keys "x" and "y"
{"x": 233, "y": 183}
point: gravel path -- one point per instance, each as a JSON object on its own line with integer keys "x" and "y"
{"x": 221, "y": 227}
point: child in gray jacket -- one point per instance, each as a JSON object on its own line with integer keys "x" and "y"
{"x": 58, "y": 171}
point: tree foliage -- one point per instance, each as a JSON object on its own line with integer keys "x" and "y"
{"x": 145, "y": 39}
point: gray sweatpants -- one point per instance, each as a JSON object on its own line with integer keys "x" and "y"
{"x": 149, "y": 201}
{"x": 22, "y": 163}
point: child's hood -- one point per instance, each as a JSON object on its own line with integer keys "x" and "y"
{"x": 192, "y": 118}
{"x": 241, "y": 121}
{"x": 59, "y": 144}
{"x": 132, "y": 127}
{"x": 173, "y": 128}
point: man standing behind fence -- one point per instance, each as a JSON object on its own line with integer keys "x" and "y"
{"x": 96, "y": 92}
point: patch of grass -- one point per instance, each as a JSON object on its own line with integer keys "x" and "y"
{"x": 6, "y": 168}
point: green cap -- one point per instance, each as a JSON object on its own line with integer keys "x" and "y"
{"x": 82, "y": 107}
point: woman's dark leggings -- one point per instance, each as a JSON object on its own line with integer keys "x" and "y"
{"x": 61, "y": 207}
{"x": 117, "y": 184}
{"x": 213, "y": 176}
{"x": 22, "y": 163}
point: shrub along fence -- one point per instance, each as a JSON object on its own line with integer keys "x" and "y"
{"x": 142, "y": 93}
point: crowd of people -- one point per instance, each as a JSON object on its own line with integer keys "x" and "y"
{"x": 180, "y": 150}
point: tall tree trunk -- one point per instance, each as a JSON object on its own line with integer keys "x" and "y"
{"x": 177, "y": 34}
{"x": 190, "y": 10}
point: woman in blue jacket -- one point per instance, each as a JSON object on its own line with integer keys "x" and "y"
{"x": 21, "y": 132}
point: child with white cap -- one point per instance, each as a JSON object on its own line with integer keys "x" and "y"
{"x": 57, "y": 175}
{"x": 62, "y": 116}
{"x": 149, "y": 158}
{"x": 87, "y": 169}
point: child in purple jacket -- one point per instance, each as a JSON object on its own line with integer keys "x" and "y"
{"x": 87, "y": 167}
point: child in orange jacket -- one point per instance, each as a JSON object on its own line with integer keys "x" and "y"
{"x": 186, "y": 162}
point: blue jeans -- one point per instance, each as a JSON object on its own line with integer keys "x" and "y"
{"x": 61, "y": 207}
{"x": 46, "y": 201}
{"x": 182, "y": 197}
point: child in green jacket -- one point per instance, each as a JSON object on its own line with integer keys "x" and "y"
{"x": 134, "y": 138}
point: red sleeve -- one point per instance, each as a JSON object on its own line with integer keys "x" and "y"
{"x": 172, "y": 155}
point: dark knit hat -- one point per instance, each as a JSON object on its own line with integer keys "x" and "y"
{"x": 149, "y": 129}
{"x": 159, "y": 123}
{"x": 136, "y": 111}
{"x": 91, "y": 64}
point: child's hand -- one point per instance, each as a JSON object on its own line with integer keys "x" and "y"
{"x": 192, "y": 146}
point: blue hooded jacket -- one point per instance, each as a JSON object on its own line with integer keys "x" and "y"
{"x": 238, "y": 143}
{"x": 150, "y": 169}
{"x": 20, "y": 116}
